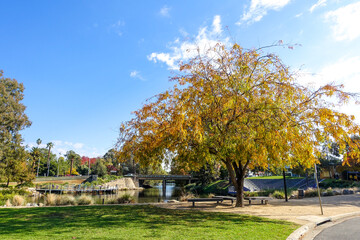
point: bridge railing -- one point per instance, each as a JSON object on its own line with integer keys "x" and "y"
{"x": 165, "y": 176}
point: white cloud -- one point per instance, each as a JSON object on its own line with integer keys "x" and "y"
{"x": 259, "y": 8}
{"x": 320, "y": 3}
{"x": 345, "y": 71}
{"x": 217, "y": 24}
{"x": 345, "y": 22}
{"x": 183, "y": 32}
{"x": 137, "y": 75}
{"x": 165, "y": 11}
{"x": 187, "y": 49}
{"x": 118, "y": 27}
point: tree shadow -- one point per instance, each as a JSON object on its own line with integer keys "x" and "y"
{"x": 58, "y": 220}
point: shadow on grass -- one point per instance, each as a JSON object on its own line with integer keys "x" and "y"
{"x": 57, "y": 220}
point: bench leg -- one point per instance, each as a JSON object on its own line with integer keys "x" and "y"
{"x": 262, "y": 202}
{"x": 249, "y": 202}
{"x": 266, "y": 202}
{"x": 193, "y": 204}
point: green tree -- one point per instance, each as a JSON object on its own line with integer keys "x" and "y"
{"x": 330, "y": 157}
{"x": 62, "y": 165}
{"x": 241, "y": 108}
{"x": 13, "y": 157}
{"x": 110, "y": 157}
{"x": 74, "y": 159}
{"x": 99, "y": 168}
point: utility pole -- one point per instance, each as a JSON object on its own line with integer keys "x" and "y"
{"x": 317, "y": 184}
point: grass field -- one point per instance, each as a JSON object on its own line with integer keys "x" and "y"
{"x": 134, "y": 222}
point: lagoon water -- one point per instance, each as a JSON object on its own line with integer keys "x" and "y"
{"x": 149, "y": 195}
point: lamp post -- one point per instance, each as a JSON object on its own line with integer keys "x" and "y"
{"x": 285, "y": 188}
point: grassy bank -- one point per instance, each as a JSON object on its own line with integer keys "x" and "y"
{"x": 135, "y": 222}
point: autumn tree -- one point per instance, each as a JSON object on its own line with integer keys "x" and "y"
{"x": 13, "y": 157}
{"x": 240, "y": 107}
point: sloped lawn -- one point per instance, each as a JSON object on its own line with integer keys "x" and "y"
{"x": 134, "y": 222}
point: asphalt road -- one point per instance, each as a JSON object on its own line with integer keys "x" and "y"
{"x": 349, "y": 229}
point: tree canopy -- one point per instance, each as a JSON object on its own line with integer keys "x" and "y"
{"x": 243, "y": 108}
{"x": 13, "y": 157}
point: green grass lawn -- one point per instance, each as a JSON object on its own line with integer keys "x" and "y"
{"x": 274, "y": 177}
{"x": 135, "y": 222}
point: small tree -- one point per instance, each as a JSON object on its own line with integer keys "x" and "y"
{"x": 99, "y": 168}
{"x": 243, "y": 108}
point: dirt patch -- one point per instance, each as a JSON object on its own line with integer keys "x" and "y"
{"x": 300, "y": 211}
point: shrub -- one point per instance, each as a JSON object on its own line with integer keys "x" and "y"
{"x": 18, "y": 200}
{"x": 278, "y": 195}
{"x": 25, "y": 184}
{"x": 126, "y": 198}
{"x": 51, "y": 200}
{"x": 311, "y": 192}
{"x": 84, "y": 200}
{"x": 184, "y": 197}
{"x": 66, "y": 200}
{"x": 8, "y": 203}
{"x": 251, "y": 194}
{"x": 111, "y": 201}
{"x": 328, "y": 192}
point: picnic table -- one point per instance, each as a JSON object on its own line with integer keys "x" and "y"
{"x": 193, "y": 200}
{"x": 232, "y": 199}
{"x": 264, "y": 200}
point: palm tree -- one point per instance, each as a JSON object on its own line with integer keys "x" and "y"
{"x": 49, "y": 145}
{"x": 38, "y": 143}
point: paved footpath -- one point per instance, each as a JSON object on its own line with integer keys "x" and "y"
{"x": 348, "y": 229}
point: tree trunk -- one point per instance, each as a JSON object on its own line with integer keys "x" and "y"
{"x": 240, "y": 193}
{"x": 48, "y": 163}
{"x": 37, "y": 172}
{"x": 71, "y": 166}
{"x": 237, "y": 176}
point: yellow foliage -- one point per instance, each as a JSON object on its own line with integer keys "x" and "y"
{"x": 241, "y": 108}
{"x": 73, "y": 172}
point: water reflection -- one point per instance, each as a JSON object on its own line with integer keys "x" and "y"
{"x": 150, "y": 195}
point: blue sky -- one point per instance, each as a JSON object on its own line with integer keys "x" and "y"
{"x": 86, "y": 65}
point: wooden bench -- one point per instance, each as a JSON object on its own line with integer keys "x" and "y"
{"x": 264, "y": 200}
{"x": 193, "y": 200}
{"x": 232, "y": 199}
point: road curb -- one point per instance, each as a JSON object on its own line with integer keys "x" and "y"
{"x": 303, "y": 230}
